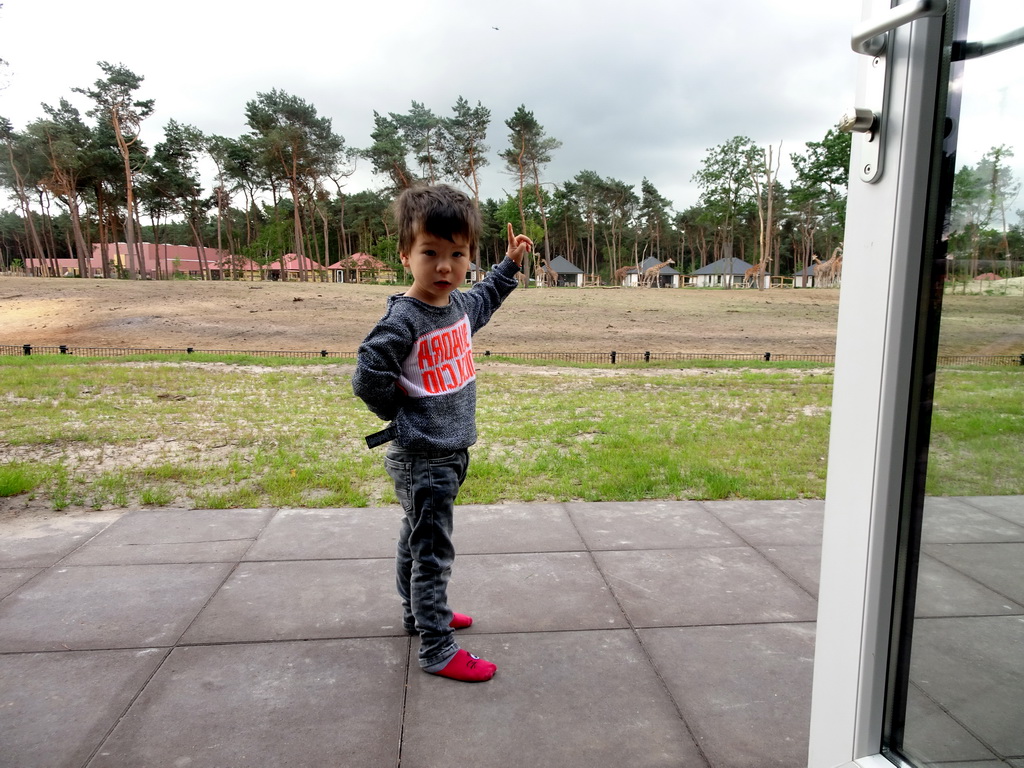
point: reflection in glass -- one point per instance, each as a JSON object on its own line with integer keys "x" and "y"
{"x": 965, "y": 700}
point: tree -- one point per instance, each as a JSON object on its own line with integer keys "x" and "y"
{"x": 724, "y": 180}
{"x": 766, "y": 170}
{"x": 239, "y": 162}
{"x": 105, "y": 178}
{"x": 301, "y": 144}
{"x": 64, "y": 140}
{"x": 463, "y": 151}
{"x": 219, "y": 148}
{"x": 618, "y": 204}
{"x": 979, "y": 193}
{"x": 818, "y": 193}
{"x": 19, "y": 154}
{"x": 176, "y": 178}
{"x": 529, "y": 150}
{"x": 583, "y": 198}
{"x": 653, "y": 215}
{"x": 367, "y": 219}
{"x": 115, "y": 102}
{"x": 388, "y": 152}
{"x": 1000, "y": 185}
{"x": 421, "y": 134}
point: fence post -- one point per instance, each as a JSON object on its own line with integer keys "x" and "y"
{"x": 613, "y": 357}
{"x": 767, "y": 357}
{"x": 27, "y": 349}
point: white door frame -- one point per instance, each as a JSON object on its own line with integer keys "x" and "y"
{"x": 877, "y": 312}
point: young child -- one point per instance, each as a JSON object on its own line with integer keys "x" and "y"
{"x": 415, "y": 369}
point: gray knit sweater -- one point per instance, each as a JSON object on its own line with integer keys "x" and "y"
{"x": 415, "y": 368}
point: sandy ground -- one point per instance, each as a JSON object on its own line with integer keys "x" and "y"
{"x": 244, "y": 316}
{"x": 309, "y": 317}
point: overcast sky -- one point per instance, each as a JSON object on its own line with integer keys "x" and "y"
{"x": 631, "y": 89}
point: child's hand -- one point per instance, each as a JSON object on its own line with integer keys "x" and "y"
{"x": 518, "y": 246}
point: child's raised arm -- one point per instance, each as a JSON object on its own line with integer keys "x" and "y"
{"x": 518, "y": 246}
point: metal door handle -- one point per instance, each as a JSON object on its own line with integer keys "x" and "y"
{"x": 964, "y": 51}
{"x": 870, "y": 37}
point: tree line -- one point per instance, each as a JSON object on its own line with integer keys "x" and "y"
{"x": 281, "y": 188}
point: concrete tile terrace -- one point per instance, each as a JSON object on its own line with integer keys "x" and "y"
{"x": 626, "y": 634}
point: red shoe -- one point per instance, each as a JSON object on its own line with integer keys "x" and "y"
{"x": 468, "y": 668}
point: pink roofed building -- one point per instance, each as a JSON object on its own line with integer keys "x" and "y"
{"x": 362, "y": 268}
{"x": 293, "y": 268}
{"x": 162, "y": 260}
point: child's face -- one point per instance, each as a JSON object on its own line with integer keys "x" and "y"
{"x": 438, "y": 267}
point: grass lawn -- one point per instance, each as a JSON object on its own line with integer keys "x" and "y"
{"x": 241, "y": 433}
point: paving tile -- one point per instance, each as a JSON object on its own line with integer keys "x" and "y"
{"x": 107, "y": 606}
{"x": 703, "y": 586}
{"x": 945, "y": 591}
{"x": 1007, "y": 507}
{"x": 932, "y": 735}
{"x": 997, "y": 566}
{"x": 974, "y": 669}
{"x": 40, "y": 544}
{"x": 329, "y": 534}
{"x": 174, "y": 536}
{"x": 801, "y": 563}
{"x": 772, "y": 522}
{"x": 949, "y": 520}
{"x": 57, "y": 707}
{"x": 745, "y": 691}
{"x": 275, "y": 704}
{"x": 566, "y": 699}
{"x": 532, "y": 593}
{"x": 650, "y": 525}
{"x": 180, "y": 526}
{"x": 12, "y": 578}
{"x": 300, "y": 600}
{"x": 503, "y": 528}
{"x": 143, "y": 554}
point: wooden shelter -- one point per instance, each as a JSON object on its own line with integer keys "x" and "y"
{"x": 362, "y": 268}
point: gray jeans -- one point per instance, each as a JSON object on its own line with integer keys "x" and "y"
{"x": 426, "y": 486}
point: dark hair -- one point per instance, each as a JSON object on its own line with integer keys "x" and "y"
{"x": 439, "y": 210}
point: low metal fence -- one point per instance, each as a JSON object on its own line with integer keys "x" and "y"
{"x": 67, "y": 349}
{"x": 613, "y": 357}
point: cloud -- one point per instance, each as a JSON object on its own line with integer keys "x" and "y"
{"x": 632, "y": 90}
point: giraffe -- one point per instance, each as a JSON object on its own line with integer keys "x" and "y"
{"x": 756, "y": 274}
{"x": 547, "y": 274}
{"x": 828, "y": 273}
{"x": 837, "y": 267}
{"x": 620, "y": 275}
{"x": 650, "y": 276}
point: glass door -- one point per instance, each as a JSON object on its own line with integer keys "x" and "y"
{"x": 920, "y": 638}
{"x": 956, "y": 679}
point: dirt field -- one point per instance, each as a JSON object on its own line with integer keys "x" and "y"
{"x": 313, "y": 316}
{"x": 257, "y": 316}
